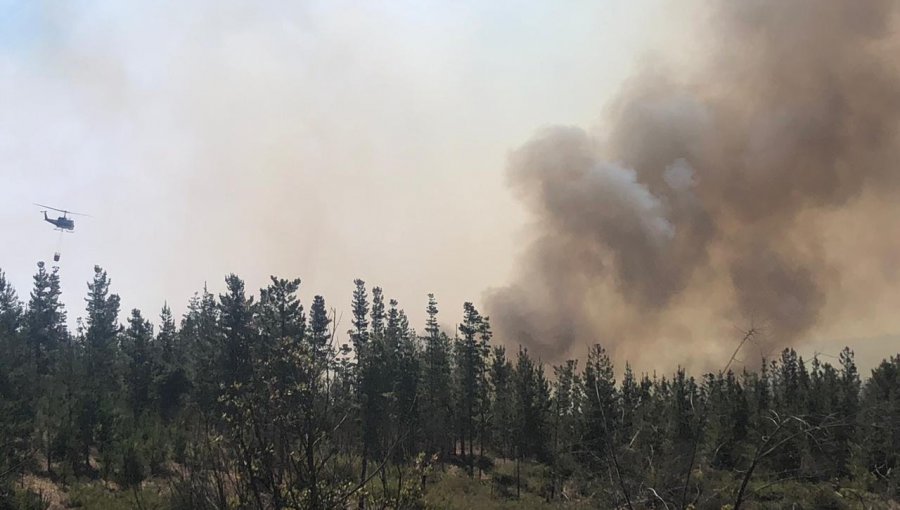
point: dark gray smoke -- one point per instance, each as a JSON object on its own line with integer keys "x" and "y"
{"x": 706, "y": 199}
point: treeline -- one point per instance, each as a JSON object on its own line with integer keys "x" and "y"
{"x": 259, "y": 402}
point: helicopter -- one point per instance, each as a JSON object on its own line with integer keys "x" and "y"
{"x": 62, "y": 223}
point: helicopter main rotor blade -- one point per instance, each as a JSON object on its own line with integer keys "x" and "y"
{"x": 48, "y": 207}
{"x": 61, "y": 210}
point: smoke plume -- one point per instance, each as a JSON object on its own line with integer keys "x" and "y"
{"x": 715, "y": 198}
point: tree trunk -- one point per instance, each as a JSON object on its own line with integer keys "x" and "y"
{"x": 311, "y": 468}
{"x": 518, "y": 474}
{"x": 365, "y": 468}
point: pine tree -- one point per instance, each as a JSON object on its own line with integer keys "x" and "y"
{"x": 239, "y": 394}
{"x": 684, "y": 400}
{"x": 532, "y": 401}
{"x": 10, "y": 308}
{"x": 318, "y": 327}
{"x": 171, "y": 377}
{"x": 599, "y": 404}
{"x": 432, "y": 329}
{"x": 315, "y": 399}
{"x": 42, "y": 355}
{"x": 630, "y": 401}
{"x": 142, "y": 362}
{"x": 789, "y": 392}
{"x": 392, "y": 330}
{"x": 565, "y": 408}
{"x": 377, "y": 322}
{"x": 728, "y": 417}
{"x": 407, "y": 387}
{"x": 201, "y": 338}
{"x": 101, "y": 394}
{"x": 167, "y": 337}
{"x": 366, "y": 373}
{"x": 503, "y": 412}
{"x": 45, "y": 319}
{"x": 279, "y": 395}
{"x": 436, "y": 384}
{"x": 390, "y": 374}
{"x": 880, "y": 422}
{"x": 848, "y": 411}
{"x": 258, "y": 409}
{"x": 470, "y": 364}
{"x": 359, "y": 335}
{"x": 484, "y": 400}
{"x": 236, "y": 323}
{"x": 16, "y": 389}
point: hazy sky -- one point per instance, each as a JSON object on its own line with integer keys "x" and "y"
{"x": 323, "y": 140}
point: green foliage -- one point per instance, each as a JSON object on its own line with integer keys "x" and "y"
{"x": 96, "y": 496}
{"x": 21, "y": 500}
{"x": 252, "y": 404}
{"x": 436, "y": 385}
{"x": 455, "y": 490}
